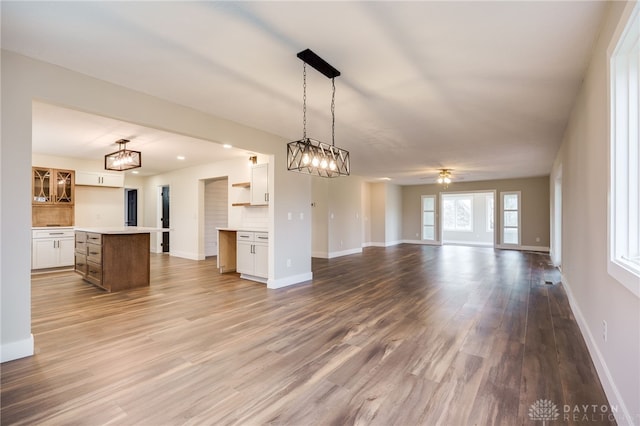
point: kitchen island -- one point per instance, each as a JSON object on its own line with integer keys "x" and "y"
{"x": 114, "y": 258}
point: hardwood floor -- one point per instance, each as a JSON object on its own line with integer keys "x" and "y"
{"x": 404, "y": 335}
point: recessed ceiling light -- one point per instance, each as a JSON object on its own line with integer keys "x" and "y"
{"x": 385, "y": 178}
{"x": 135, "y": 172}
{"x": 227, "y": 146}
{"x": 180, "y": 157}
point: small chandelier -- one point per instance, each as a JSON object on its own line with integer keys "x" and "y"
{"x": 123, "y": 158}
{"x": 309, "y": 155}
{"x": 444, "y": 177}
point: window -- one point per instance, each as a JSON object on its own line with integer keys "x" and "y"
{"x": 490, "y": 202}
{"x": 624, "y": 215}
{"x": 511, "y": 218}
{"x": 429, "y": 217}
{"x": 458, "y": 214}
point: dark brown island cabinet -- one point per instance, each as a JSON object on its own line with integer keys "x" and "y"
{"x": 114, "y": 259}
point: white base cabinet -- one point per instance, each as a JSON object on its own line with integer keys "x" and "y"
{"x": 253, "y": 255}
{"x": 52, "y": 248}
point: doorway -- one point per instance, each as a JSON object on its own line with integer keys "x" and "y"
{"x": 468, "y": 218}
{"x": 131, "y": 207}
{"x": 164, "y": 217}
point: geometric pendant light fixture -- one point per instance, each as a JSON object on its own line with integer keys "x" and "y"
{"x": 308, "y": 155}
{"x": 123, "y": 158}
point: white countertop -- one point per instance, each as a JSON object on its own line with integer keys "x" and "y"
{"x": 38, "y": 228}
{"x": 243, "y": 229}
{"x": 122, "y": 230}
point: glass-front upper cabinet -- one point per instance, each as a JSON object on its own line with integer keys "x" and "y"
{"x": 52, "y": 186}
{"x": 64, "y": 183}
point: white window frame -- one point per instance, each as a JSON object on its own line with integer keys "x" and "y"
{"x": 490, "y": 201}
{"x": 455, "y": 199}
{"x": 435, "y": 217}
{"x": 624, "y": 158}
{"x": 502, "y": 225}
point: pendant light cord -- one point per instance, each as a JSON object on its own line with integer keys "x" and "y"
{"x": 333, "y": 112}
{"x": 304, "y": 100}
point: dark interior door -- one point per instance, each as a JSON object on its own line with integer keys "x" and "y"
{"x": 165, "y": 218}
{"x": 132, "y": 207}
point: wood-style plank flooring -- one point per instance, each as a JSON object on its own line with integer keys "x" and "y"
{"x": 404, "y": 335}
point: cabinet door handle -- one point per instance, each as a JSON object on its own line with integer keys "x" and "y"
{"x": 266, "y": 196}
{"x": 56, "y": 233}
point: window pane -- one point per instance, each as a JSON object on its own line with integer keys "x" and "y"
{"x": 511, "y": 202}
{"x": 428, "y": 218}
{"x": 428, "y": 203}
{"x": 428, "y": 233}
{"x": 510, "y": 236}
{"x": 463, "y": 214}
{"x": 511, "y": 218}
{"x": 449, "y": 214}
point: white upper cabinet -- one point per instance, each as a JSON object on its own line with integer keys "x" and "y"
{"x": 115, "y": 180}
{"x": 260, "y": 185}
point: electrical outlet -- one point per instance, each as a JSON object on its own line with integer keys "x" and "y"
{"x": 605, "y": 331}
{"x": 537, "y": 239}
{"x": 288, "y": 263}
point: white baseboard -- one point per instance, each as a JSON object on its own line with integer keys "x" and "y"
{"x": 287, "y": 281}
{"x": 253, "y": 278}
{"x": 15, "y": 350}
{"x": 610, "y": 389}
{"x": 422, "y": 242}
{"x": 333, "y": 254}
{"x": 367, "y": 244}
{"x": 186, "y": 255}
{"x": 522, "y": 248}
{"x": 345, "y": 252}
{"x": 385, "y": 244}
{"x": 467, "y": 243}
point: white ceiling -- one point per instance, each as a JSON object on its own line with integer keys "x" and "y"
{"x": 484, "y": 88}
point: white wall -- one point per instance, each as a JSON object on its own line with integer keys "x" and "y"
{"x": 385, "y": 213}
{"x": 378, "y": 212}
{"x": 216, "y": 212}
{"x": 24, "y": 79}
{"x": 393, "y": 214}
{"x": 594, "y": 295}
{"x": 320, "y": 220}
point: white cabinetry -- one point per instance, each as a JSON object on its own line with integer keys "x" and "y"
{"x": 260, "y": 184}
{"x": 115, "y": 180}
{"x": 253, "y": 255}
{"x": 52, "y": 248}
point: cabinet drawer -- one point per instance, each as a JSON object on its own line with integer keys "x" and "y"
{"x": 81, "y": 264}
{"x": 81, "y": 236}
{"x": 81, "y": 247}
{"x": 262, "y": 237}
{"x": 245, "y": 236}
{"x": 94, "y": 253}
{"x": 94, "y": 238}
{"x": 52, "y": 233}
{"x": 94, "y": 272}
